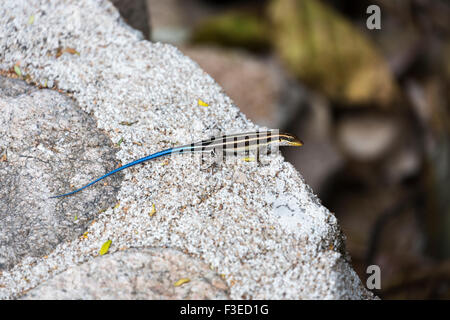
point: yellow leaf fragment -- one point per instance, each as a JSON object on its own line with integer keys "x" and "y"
{"x": 202, "y": 103}
{"x": 31, "y": 19}
{"x": 181, "y": 282}
{"x": 117, "y": 205}
{"x": 105, "y": 247}
{"x": 249, "y": 159}
{"x": 153, "y": 211}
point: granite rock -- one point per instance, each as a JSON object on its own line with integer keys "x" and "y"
{"x": 257, "y": 225}
{"x": 47, "y": 144}
{"x": 145, "y": 273}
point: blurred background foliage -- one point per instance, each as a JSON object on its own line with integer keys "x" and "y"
{"x": 372, "y": 107}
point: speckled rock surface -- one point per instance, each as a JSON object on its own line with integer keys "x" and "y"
{"x": 14, "y": 87}
{"x": 258, "y": 225}
{"x": 135, "y": 274}
{"x": 46, "y": 140}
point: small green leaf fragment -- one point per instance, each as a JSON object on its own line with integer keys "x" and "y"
{"x": 17, "y": 70}
{"x": 120, "y": 142}
{"x": 31, "y": 19}
{"x": 105, "y": 247}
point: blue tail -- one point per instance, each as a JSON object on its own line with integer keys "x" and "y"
{"x": 150, "y": 157}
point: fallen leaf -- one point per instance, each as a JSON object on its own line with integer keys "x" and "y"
{"x": 153, "y": 211}
{"x": 181, "y": 282}
{"x": 102, "y": 210}
{"x": 17, "y": 70}
{"x": 60, "y": 51}
{"x": 127, "y": 123}
{"x": 105, "y": 247}
{"x": 72, "y": 51}
{"x": 202, "y": 103}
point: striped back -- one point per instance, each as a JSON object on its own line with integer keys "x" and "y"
{"x": 236, "y": 143}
